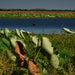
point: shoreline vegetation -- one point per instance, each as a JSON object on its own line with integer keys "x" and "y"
{"x": 63, "y": 46}
{"x": 33, "y": 14}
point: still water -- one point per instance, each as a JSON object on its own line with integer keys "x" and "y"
{"x": 41, "y": 25}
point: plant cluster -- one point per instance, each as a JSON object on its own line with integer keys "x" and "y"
{"x": 63, "y": 45}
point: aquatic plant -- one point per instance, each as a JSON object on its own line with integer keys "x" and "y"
{"x": 54, "y": 61}
{"x": 54, "y": 53}
{"x": 35, "y": 40}
{"x": 46, "y": 44}
{"x": 68, "y": 30}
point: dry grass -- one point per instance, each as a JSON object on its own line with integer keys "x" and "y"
{"x": 54, "y": 12}
{"x": 6, "y": 67}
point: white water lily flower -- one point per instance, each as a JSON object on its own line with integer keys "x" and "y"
{"x": 66, "y": 29}
{"x": 35, "y": 40}
{"x": 17, "y": 32}
{"x": 46, "y": 44}
{"x": 54, "y": 61}
{"x": 69, "y": 31}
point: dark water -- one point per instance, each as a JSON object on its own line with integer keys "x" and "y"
{"x": 41, "y": 25}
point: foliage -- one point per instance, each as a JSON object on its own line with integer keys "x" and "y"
{"x": 63, "y": 47}
{"x": 37, "y": 15}
{"x": 65, "y": 56}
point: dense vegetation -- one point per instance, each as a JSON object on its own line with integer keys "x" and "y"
{"x": 13, "y": 13}
{"x": 64, "y": 47}
{"x": 37, "y": 15}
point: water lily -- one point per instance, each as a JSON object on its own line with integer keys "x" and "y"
{"x": 35, "y": 40}
{"x": 17, "y": 32}
{"x": 46, "y": 44}
{"x": 54, "y": 61}
{"x": 68, "y": 30}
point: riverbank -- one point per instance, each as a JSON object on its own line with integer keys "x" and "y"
{"x": 37, "y": 14}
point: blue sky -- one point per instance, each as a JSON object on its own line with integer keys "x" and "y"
{"x": 31, "y": 4}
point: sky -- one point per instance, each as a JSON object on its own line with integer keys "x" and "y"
{"x": 32, "y": 4}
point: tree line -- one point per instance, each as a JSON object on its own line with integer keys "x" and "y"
{"x": 35, "y": 10}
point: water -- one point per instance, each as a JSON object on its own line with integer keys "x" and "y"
{"x": 41, "y": 25}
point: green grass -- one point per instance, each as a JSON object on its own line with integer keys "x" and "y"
{"x": 64, "y": 47}
{"x": 37, "y": 15}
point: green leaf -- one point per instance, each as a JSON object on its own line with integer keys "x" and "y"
{"x": 3, "y": 46}
{"x": 5, "y": 41}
